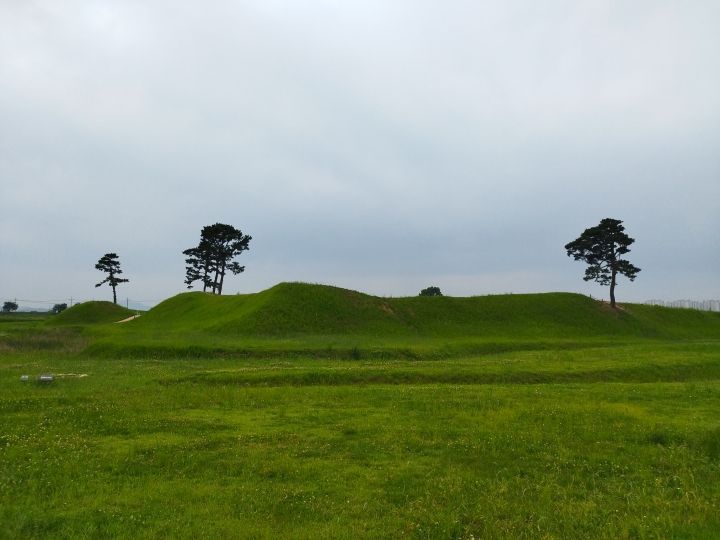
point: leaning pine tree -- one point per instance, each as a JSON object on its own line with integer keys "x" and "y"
{"x": 199, "y": 266}
{"x": 212, "y": 258}
{"x": 602, "y": 248}
{"x": 110, "y": 264}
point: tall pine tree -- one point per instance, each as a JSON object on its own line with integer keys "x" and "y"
{"x": 212, "y": 258}
{"x": 602, "y": 248}
{"x": 110, "y": 264}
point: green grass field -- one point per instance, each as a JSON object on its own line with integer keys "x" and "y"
{"x": 315, "y": 412}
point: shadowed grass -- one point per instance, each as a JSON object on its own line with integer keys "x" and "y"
{"x": 29, "y": 333}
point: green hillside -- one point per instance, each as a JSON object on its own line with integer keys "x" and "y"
{"x": 94, "y": 312}
{"x": 298, "y": 309}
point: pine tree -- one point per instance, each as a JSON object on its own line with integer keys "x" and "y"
{"x": 110, "y": 264}
{"x": 602, "y": 247}
{"x": 212, "y": 259}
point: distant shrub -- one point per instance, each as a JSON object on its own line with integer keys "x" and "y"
{"x": 58, "y": 308}
{"x": 431, "y": 291}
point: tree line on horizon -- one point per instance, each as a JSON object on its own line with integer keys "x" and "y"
{"x": 11, "y": 307}
{"x": 601, "y": 247}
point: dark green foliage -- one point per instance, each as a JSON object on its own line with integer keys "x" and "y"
{"x": 9, "y": 307}
{"x": 58, "y": 308}
{"x": 431, "y": 291}
{"x": 602, "y": 248}
{"x": 198, "y": 267}
{"x": 213, "y": 257}
{"x": 110, "y": 264}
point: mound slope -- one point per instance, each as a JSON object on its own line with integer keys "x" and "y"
{"x": 95, "y": 312}
{"x": 297, "y": 309}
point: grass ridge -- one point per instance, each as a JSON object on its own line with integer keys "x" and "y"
{"x": 296, "y": 319}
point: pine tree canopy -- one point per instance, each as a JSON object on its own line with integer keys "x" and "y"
{"x": 601, "y": 248}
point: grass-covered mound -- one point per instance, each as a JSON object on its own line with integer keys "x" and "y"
{"x": 94, "y": 312}
{"x": 298, "y": 310}
{"x": 284, "y": 310}
{"x": 291, "y": 309}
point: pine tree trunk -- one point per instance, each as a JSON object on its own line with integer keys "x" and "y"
{"x": 215, "y": 282}
{"x": 205, "y": 275}
{"x": 612, "y": 289}
{"x": 112, "y": 284}
{"x": 222, "y": 278}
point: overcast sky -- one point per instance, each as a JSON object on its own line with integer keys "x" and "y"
{"x": 378, "y": 145}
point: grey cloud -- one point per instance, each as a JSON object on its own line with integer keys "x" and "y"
{"x": 372, "y": 145}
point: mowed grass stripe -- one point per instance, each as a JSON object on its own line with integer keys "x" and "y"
{"x": 622, "y": 364}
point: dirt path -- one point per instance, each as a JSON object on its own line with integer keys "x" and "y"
{"x": 128, "y": 319}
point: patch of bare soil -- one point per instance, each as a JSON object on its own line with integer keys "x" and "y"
{"x": 128, "y": 319}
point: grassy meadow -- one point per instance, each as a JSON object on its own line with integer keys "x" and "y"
{"x": 314, "y": 412}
